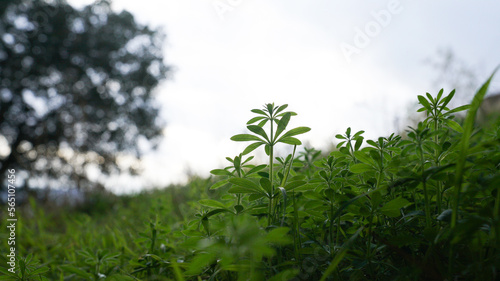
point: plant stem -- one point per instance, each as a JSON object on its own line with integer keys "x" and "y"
{"x": 439, "y": 183}
{"x": 271, "y": 176}
{"x": 426, "y": 195}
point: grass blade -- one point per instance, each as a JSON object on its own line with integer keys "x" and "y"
{"x": 464, "y": 143}
{"x": 341, "y": 254}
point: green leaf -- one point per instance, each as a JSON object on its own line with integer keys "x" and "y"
{"x": 358, "y": 134}
{"x": 211, "y": 203}
{"x": 5, "y": 271}
{"x": 282, "y": 124}
{"x": 372, "y": 143}
{"x": 294, "y": 184}
{"x": 281, "y": 108}
{"x": 340, "y": 137}
{"x": 312, "y": 195}
{"x": 215, "y": 212}
{"x": 323, "y": 175}
{"x": 246, "y": 137}
{"x": 440, "y": 94}
{"x": 375, "y": 156}
{"x": 340, "y": 144}
{"x": 247, "y": 160}
{"x": 237, "y": 163}
{"x": 219, "y": 184}
{"x": 360, "y": 168}
{"x": 77, "y": 271}
{"x": 364, "y": 157}
{"x": 306, "y": 187}
{"x": 295, "y": 131}
{"x": 259, "y": 131}
{"x": 255, "y": 196}
{"x": 263, "y": 122}
{"x": 258, "y": 111}
{"x": 256, "y": 168}
{"x": 359, "y": 142}
{"x": 255, "y": 119}
{"x": 247, "y": 184}
{"x": 279, "y": 236}
{"x": 425, "y": 103}
{"x": 454, "y": 125}
{"x": 458, "y": 109}
{"x": 267, "y": 149}
{"x": 241, "y": 189}
{"x": 445, "y": 216}
{"x": 393, "y": 207}
{"x": 266, "y": 185}
{"x": 376, "y": 199}
{"x": 431, "y": 99}
{"x": 239, "y": 208}
{"x": 446, "y": 100}
{"x": 252, "y": 147}
{"x": 290, "y": 140}
{"x": 220, "y": 172}
{"x": 270, "y": 108}
{"x": 40, "y": 270}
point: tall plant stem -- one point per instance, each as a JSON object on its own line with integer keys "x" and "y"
{"x": 439, "y": 183}
{"x": 426, "y": 195}
{"x": 271, "y": 176}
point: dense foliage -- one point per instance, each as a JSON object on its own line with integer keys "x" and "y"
{"x": 423, "y": 206}
{"x": 76, "y": 91}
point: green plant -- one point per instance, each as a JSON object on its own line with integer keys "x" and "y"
{"x": 27, "y": 269}
{"x": 275, "y": 116}
{"x": 98, "y": 265}
{"x": 425, "y": 206}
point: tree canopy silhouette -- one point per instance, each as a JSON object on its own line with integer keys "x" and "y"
{"x": 76, "y": 91}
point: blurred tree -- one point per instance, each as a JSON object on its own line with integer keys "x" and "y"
{"x": 76, "y": 91}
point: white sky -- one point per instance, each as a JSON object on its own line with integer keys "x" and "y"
{"x": 289, "y": 51}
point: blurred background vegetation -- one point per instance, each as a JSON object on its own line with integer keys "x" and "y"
{"x": 77, "y": 93}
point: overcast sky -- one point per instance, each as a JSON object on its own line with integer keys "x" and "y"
{"x": 338, "y": 64}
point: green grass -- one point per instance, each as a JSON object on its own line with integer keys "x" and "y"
{"x": 420, "y": 207}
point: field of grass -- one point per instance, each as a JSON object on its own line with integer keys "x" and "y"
{"x": 423, "y": 206}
